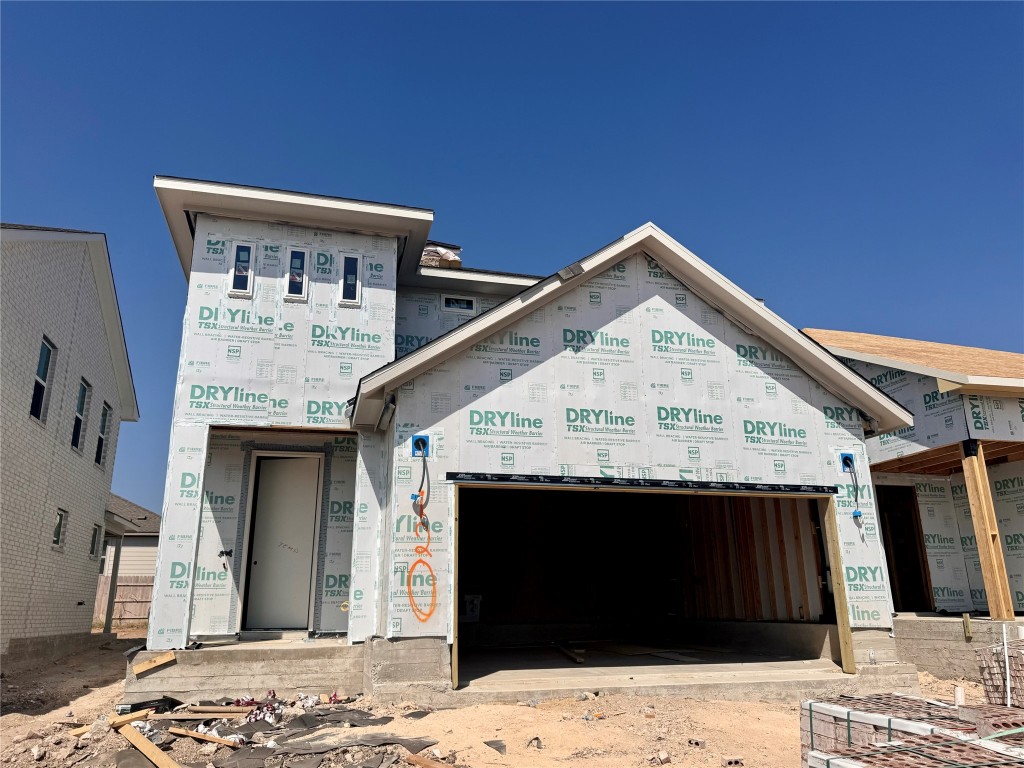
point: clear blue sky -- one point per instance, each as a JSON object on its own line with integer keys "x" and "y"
{"x": 858, "y": 165}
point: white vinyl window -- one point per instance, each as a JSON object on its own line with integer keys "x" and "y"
{"x": 242, "y": 265}
{"x": 463, "y": 305}
{"x": 60, "y": 528}
{"x": 351, "y": 280}
{"x": 101, "y": 439}
{"x": 298, "y": 279}
{"x": 41, "y": 385}
{"x": 81, "y": 407}
{"x": 96, "y": 542}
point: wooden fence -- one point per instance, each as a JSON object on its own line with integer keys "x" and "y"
{"x": 131, "y": 602}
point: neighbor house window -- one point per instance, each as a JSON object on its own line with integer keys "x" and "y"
{"x": 96, "y": 542}
{"x": 101, "y": 440}
{"x": 60, "y": 528}
{"x": 44, "y": 374}
{"x": 241, "y": 273}
{"x": 81, "y": 404}
{"x": 464, "y": 305}
{"x": 296, "y": 275}
{"x": 351, "y": 280}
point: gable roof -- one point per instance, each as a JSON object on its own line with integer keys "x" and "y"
{"x": 181, "y": 199}
{"x": 141, "y": 520}
{"x": 967, "y": 369}
{"x": 110, "y": 311}
{"x": 741, "y": 308}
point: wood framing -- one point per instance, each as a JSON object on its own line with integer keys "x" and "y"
{"x": 455, "y": 589}
{"x": 986, "y": 531}
{"x": 827, "y": 508}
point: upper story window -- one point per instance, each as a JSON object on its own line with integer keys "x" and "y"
{"x": 44, "y": 376}
{"x": 81, "y": 406}
{"x": 463, "y": 305}
{"x": 101, "y": 440}
{"x": 96, "y": 542}
{"x": 244, "y": 259}
{"x": 60, "y": 529}
{"x": 351, "y": 280}
{"x": 297, "y": 280}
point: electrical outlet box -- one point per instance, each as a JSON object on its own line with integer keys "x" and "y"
{"x": 846, "y": 462}
{"x": 420, "y": 452}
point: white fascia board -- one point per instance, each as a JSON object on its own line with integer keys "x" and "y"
{"x": 709, "y": 284}
{"x": 948, "y": 380}
{"x": 475, "y": 282}
{"x": 110, "y": 311}
{"x": 180, "y": 198}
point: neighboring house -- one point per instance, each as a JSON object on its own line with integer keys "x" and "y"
{"x": 129, "y": 562}
{"x": 65, "y": 387}
{"x": 369, "y": 446}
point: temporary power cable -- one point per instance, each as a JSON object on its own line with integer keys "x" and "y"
{"x": 849, "y": 464}
{"x": 423, "y": 492}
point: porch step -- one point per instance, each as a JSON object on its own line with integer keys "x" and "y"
{"x": 250, "y": 669}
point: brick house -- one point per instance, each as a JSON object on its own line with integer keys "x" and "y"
{"x": 65, "y": 387}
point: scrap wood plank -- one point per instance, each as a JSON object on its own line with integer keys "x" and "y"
{"x": 156, "y": 661}
{"x": 226, "y": 709}
{"x": 152, "y": 752}
{"x": 425, "y": 762}
{"x": 115, "y": 721}
{"x": 202, "y": 736}
{"x": 194, "y": 716}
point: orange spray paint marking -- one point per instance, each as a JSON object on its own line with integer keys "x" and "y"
{"x": 422, "y": 549}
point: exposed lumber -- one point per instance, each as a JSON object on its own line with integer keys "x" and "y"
{"x": 202, "y": 736}
{"x": 424, "y": 762}
{"x": 794, "y": 512}
{"x": 80, "y": 730}
{"x": 115, "y": 721}
{"x": 226, "y": 709}
{"x": 194, "y": 716}
{"x": 986, "y": 531}
{"x": 762, "y": 520}
{"x": 153, "y": 753}
{"x": 156, "y": 661}
{"x": 827, "y": 509}
{"x": 783, "y": 559}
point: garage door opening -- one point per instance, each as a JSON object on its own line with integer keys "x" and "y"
{"x": 586, "y": 579}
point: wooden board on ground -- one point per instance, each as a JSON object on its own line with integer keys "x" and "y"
{"x": 152, "y": 752}
{"x": 194, "y": 716}
{"x": 424, "y": 762}
{"x": 115, "y": 721}
{"x": 156, "y": 661}
{"x": 226, "y": 709}
{"x": 201, "y": 736}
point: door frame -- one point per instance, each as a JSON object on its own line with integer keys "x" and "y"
{"x": 250, "y": 520}
{"x": 825, "y": 506}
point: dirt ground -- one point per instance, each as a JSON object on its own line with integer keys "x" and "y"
{"x": 40, "y": 706}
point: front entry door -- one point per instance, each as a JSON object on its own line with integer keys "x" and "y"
{"x": 283, "y": 543}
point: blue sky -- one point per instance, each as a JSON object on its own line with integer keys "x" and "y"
{"x": 858, "y": 165}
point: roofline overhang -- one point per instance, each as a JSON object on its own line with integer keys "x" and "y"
{"x": 885, "y": 413}
{"x": 948, "y": 381}
{"x": 498, "y": 283}
{"x": 116, "y": 525}
{"x": 181, "y": 199}
{"x": 110, "y": 310}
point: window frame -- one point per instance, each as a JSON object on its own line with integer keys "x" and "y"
{"x": 43, "y": 385}
{"x": 81, "y": 417}
{"x": 60, "y": 530}
{"x": 456, "y": 310}
{"x": 106, "y": 414}
{"x": 297, "y": 297}
{"x": 96, "y": 543}
{"x": 358, "y": 300}
{"x": 240, "y": 293}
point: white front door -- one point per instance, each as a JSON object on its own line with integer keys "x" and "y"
{"x": 281, "y": 558}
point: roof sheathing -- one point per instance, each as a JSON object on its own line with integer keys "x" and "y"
{"x": 710, "y": 285}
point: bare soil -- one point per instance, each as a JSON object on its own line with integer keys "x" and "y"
{"x": 40, "y": 706}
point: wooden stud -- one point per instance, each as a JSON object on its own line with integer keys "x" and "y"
{"x": 801, "y": 569}
{"x": 755, "y": 569}
{"x": 193, "y": 716}
{"x": 156, "y": 661}
{"x": 827, "y": 509}
{"x": 986, "y": 531}
{"x": 735, "y": 574}
{"x": 783, "y": 559}
{"x": 746, "y": 563}
{"x": 153, "y": 753}
{"x": 455, "y": 591}
{"x": 202, "y": 736}
{"x": 762, "y": 518}
{"x": 227, "y": 709}
{"x": 819, "y": 571}
{"x": 116, "y": 721}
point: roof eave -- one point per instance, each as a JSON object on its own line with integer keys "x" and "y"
{"x": 181, "y": 198}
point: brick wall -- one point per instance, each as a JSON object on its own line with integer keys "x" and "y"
{"x": 48, "y": 288}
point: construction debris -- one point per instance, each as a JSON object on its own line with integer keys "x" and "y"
{"x": 157, "y": 661}
{"x": 992, "y": 662}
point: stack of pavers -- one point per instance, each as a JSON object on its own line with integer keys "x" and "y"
{"x": 992, "y": 664}
{"x": 898, "y": 731}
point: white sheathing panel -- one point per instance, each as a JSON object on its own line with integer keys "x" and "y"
{"x": 419, "y": 317}
{"x": 263, "y": 361}
{"x": 179, "y": 529}
{"x": 943, "y": 544}
{"x": 995, "y": 418}
{"x": 1007, "y": 482}
{"x": 938, "y": 416}
{"x": 628, "y": 375}
{"x": 371, "y": 488}
{"x": 968, "y": 541}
